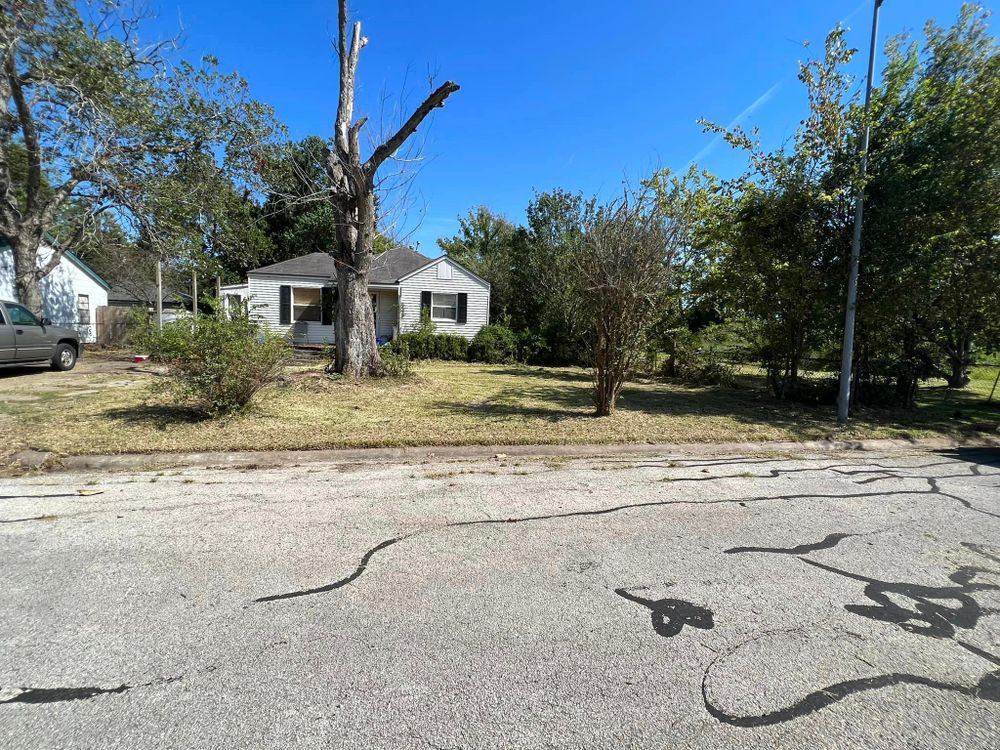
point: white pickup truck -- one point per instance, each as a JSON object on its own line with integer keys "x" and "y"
{"x": 24, "y": 339}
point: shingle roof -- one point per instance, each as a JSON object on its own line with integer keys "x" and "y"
{"x": 387, "y": 267}
{"x": 132, "y": 293}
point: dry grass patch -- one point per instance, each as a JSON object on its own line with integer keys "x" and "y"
{"x": 95, "y": 411}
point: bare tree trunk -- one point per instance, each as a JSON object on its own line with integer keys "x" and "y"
{"x": 26, "y": 278}
{"x": 357, "y": 349}
{"x": 959, "y": 362}
{"x": 352, "y": 197}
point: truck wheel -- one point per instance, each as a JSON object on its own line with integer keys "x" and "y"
{"x": 64, "y": 358}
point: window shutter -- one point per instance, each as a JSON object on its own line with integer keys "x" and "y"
{"x": 425, "y": 303}
{"x": 328, "y": 297}
{"x": 463, "y": 308}
{"x": 285, "y": 305}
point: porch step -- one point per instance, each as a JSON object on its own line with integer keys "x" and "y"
{"x": 306, "y": 353}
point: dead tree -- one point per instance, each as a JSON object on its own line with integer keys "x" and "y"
{"x": 352, "y": 196}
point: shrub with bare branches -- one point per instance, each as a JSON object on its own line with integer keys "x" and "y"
{"x": 624, "y": 264}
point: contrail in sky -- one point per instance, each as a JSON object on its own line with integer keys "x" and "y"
{"x": 758, "y": 102}
{"x": 763, "y": 98}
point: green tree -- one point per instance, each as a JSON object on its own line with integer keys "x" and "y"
{"x": 782, "y": 240}
{"x": 101, "y": 118}
{"x": 486, "y": 243}
{"x": 933, "y": 274}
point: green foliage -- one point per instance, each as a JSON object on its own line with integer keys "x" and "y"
{"x": 396, "y": 362}
{"x": 706, "y": 357}
{"x": 531, "y": 345}
{"x": 219, "y": 364}
{"x": 495, "y": 345}
{"x": 531, "y": 272}
{"x": 485, "y": 244}
{"x": 425, "y": 344}
{"x": 131, "y": 153}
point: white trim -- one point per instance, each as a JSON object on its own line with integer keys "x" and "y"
{"x": 318, "y": 306}
{"x": 444, "y": 294}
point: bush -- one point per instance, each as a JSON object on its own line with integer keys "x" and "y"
{"x": 220, "y": 364}
{"x": 396, "y": 362}
{"x": 531, "y": 346}
{"x": 703, "y": 358}
{"x": 424, "y": 345}
{"x": 495, "y": 345}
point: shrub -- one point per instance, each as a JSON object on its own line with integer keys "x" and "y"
{"x": 429, "y": 345}
{"x": 531, "y": 346}
{"x": 703, "y": 358}
{"x": 220, "y": 364}
{"x": 494, "y": 345}
{"x": 396, "y": 362}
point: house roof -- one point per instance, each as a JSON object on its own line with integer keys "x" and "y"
{"x": 132, "y": 294}
{"x": 387, "y": 268}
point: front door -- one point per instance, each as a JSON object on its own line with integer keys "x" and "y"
{"x": 6, "y": 338}
{"x": 375, "y": 312}
{"x": 29, "y": 335}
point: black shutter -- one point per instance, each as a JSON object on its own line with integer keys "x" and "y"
{"x": 463, "y": 308}
{"x": 328, "y": 296}
{"x": 285, "y": 305}
{"x": 425, "y": 303}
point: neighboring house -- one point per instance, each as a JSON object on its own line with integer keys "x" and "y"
{"x": 72, "y": 293}
{"x": 298, "y": 295}
{"x": 125, "y": 296}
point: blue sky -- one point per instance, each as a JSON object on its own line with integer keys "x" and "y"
{"x": 555, "y": 93}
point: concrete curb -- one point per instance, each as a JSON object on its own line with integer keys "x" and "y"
{"x": 423, "y": 454}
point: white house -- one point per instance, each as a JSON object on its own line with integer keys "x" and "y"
{"x": 298, "y": 295}
{"x": 72, "y": 292}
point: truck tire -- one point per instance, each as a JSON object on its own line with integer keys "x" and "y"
{"x": 64, "y": 359}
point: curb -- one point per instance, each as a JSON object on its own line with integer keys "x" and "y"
{"x": 49, "y": 463}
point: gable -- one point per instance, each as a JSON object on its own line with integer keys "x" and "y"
{"x": 454, "y": 270}
{"x": 69, "y": 258}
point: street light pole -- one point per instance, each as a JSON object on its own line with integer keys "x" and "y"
{"x": 847, "y": 355}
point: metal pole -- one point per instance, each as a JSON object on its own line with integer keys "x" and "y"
{"x": 194, "y": 295}
{"x": 159, "y": 295}
{"x": 847, "y": 356}
{"x": 990, "y": 399}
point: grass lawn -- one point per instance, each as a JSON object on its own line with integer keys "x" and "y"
{"x": 105, "y": 407}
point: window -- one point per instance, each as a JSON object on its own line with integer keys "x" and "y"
{"x": 21, "y": 316}
{"x": 83, "y": 309}
{"x": 444, "y": 307}
{"x": 307, "y": 304}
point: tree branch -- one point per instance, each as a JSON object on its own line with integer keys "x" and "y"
{"x": 387, "y": 149}
{"x": 28, "y": 130}
{"x": 348, "y": 73}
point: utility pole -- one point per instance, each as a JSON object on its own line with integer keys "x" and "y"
{"x": 159, "y": 295}
{"x": 847, "y": 354}
{"x": 194, "y": 295}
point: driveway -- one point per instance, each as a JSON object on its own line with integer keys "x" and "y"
{"x": 820, "y": 601}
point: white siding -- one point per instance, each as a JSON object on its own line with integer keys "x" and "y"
{"x": 59, "y": 292}
{"x": 461, "y": 281}
{"x": 265, "y": 305}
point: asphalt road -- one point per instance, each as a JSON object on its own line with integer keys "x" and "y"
{"x": 822, "y": 601}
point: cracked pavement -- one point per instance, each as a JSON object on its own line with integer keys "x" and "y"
{"x": 817, "y": 600}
